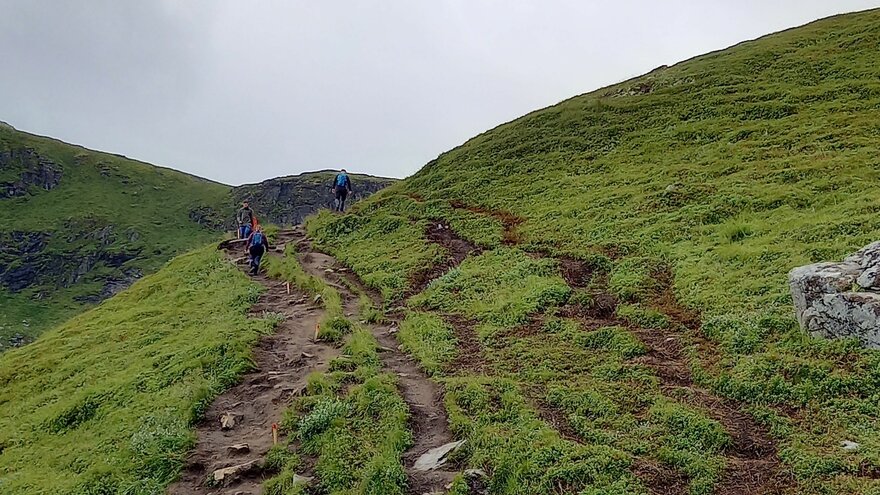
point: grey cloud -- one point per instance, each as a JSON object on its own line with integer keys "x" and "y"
{"x": 241, "y": 91}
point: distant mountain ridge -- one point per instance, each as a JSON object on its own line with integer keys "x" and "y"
{"x": 77, "y": 225}
{"x": 288, "y": 200}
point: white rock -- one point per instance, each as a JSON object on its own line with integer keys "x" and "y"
{"x": 849, "y": 446}
{"x": 227, "y": 475}
{"x": 827, "y": 306}
{"x": 228, "y": 420}
{"x": 867, "y": 256}
{"x": 239, "y": 448}
{"x": 436, "y": 457}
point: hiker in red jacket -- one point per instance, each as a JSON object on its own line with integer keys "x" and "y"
{"x": 257, "y": 245}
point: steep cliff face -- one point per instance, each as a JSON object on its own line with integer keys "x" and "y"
{"x": 288, "y": 200}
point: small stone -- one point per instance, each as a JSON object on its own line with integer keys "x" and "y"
{"x": 474, "y": 473}
{"x": 238, "y": 449}
{"x": 305, "y": 480}
{"x": 436, "y": 457}
{"x": 849, "y": 446}
{"x": 228, "y": 475}
{"x": 227, "y": 421}
{"x": 393, "y": 330}
{"x": 307, "y": 355}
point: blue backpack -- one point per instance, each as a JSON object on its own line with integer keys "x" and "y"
{"x": 341, "y": 179}
{"x": 257, "y": 240}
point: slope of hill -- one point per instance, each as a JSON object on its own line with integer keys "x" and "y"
{"x": 601, "y": 284}
{"x": 77, "y": 226}
{"x": 105, "y": 402}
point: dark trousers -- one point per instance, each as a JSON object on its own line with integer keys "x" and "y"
{"x": 256, "y": 253}
{"x": 341, "y": 195}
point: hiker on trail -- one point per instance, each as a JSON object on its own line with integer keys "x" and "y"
{"x": 257, "y": 245}
{"x": 245, "y": 219}
{"x": 341, "y": 189}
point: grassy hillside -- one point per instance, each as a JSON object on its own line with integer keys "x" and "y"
{"x": 98, "y": 223}
{"x": 105, "y": 402}
{"x": 687, "y": 195}
{"x": 77, "y": 226}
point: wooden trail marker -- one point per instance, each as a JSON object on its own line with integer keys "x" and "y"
{"x": 274, "y": 433}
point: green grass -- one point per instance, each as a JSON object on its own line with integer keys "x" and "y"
{"x": 351, "y": 419}
{"x": 354, "y": 422}
{"x": 519, "y": 284}
{"x": 105, "y": 403}
{"x": 106, "y": 204}
{"x": 333, "y": 325}
{"x": 429, "y": 339}
{"x": 733, "y": 168}
{"x": 386, "y": 267}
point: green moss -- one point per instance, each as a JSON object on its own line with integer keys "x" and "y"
{"x": 645, "y": 317}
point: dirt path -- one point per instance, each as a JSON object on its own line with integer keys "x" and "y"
{"x": 428, "y": 421}
{"x": 753, "y": 464}
{"x": 283, "y": 360}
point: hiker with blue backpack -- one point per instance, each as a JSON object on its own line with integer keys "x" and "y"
{"x": 341, "y": 189}
{"x": 257, "y": 245}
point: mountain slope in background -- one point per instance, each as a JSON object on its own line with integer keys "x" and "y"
{"x": 77, "y": 226}
{"x": 288, "y": 200}
{"x": 626, "y": 275}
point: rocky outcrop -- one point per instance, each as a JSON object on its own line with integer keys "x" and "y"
{"x": 31, "y": 259}
{"x": 288, "y": 200}
{"x": 840, "y": 300}
{"x": 34, "y": 172}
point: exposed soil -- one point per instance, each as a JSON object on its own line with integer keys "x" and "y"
{"x": 577, "y": 273}
{"x": 428, "y": 420}
{"x": 555, "y": 418}
{"x": 457, "y": 249}
{"x": 665, "y": 301}
{"x": 508, "y": 220}
{"x": 753, "y": 465}
{"x": 660, "y": 479}
{"x": 282, "y": 362}
{"x": 469, "y": 356}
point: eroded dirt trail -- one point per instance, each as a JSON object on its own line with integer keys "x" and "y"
{"x": 752, "y": 462}
{"x": 428, "y": 420}
{"x": 282, "y": 362}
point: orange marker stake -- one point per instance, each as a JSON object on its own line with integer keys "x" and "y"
{"x": 274, "y": 433}
{"x": 317, "y": 329}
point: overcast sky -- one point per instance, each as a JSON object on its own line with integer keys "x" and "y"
{"x": 241, "y": 91}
